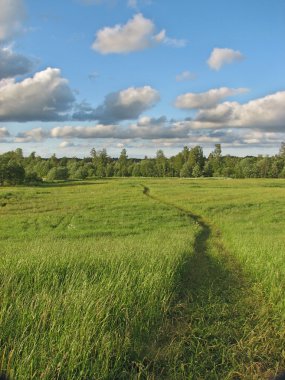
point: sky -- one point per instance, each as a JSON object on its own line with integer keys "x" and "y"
{"x": 142, "y": 75}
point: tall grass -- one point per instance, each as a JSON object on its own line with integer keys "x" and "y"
{"x": 86, "y": 307}
{"x": 246, "y": 218}
{"x": 100, "y": 281}
{"x": 251, "y": 217}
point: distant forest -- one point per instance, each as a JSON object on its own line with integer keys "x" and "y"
{"x": 15, "y": 169}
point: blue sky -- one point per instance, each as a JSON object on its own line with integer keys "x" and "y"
{"x": 142, "y": 74}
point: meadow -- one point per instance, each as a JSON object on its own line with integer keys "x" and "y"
{"x": 143, "y": 279}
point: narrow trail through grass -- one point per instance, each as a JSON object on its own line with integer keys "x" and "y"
{"x": 215, "y": 329}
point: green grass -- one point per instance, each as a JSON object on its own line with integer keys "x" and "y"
{"x": 101, "y": 281}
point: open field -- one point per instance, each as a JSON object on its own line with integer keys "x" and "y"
{"x": 143, "y": 279}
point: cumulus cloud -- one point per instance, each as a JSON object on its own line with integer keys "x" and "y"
{"x": 145, "y": 128}
{"x": 156, "y": 132}
{"x": 220, "y": 114}
{"x": 262, "y": 138}
{"x": 12, "y": 14}
{"x": 237, "y": 137}
{"x": 122, "y": 105}
{"x": 207, "y": 99}
{"x": 264, "y": 113}
{"x": 132, "y": 3}
{"x": 220, "y": 57}
{"x": 81, "y": 132}
{"x": 161, "y": 37}
{"x": 4, "y": 133}
{"x": 157, "y": 128}
{"x": 185, "y": 76}
{"x": 147, "y": 121}
{"x": 44, "y": 97}
{"x": 165, "y": 134}
{"x": 257, "y": 122}
{"x": 36, "y": 134}
{"x": 66, "y": 144}
{"x": 174, "y": 42}
{"x": 137, "y": 34}
{"x": 13, "y": 64}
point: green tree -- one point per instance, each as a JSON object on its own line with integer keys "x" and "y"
{"x": 100, "y": 161}
{"x": 196, "y": 157}
{"x": 58, "y": 173}
{"x": 147, "y": 167}
{"x": 186, "y": 170}
{"x": 110, "y": 169}
{"x": 121, "y": 167}
{"x": 53, "y": 160}
{"x": 282, "y": 150}
{"x": 93, "y": 153}
{"x": 32, "y": 179}
{"x": 263, "y": 167}
{"x": 15, "y": 173}
{"x": 81, "y": 173}
{"x": 161, "y": 163}
{"x": 215, "y": 159}
{"x": 197, "y": 171}
{"x": 136, "y": 170}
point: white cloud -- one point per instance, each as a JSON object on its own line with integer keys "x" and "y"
{"x": 147, "y": 121}
{"x": 219, "y": 57}
{"x": 4, "y": 133}
{"x": 97, "y": 131}
{"x": 66, "y": 144}
{"x": 174, "y": 42}
{"x": 44, "y": 97}
{"x": 267, "y": 113}
{"x": 145, "y": 128}
{"x": 133, "y": 3}
{"x": 158, "y": 133}
{"x": 137, "y": 34}
{"x": 185, "y": 76}
{"x": 207, "y": 99}
{"x": 123, "y": 105}
{"x": 221, "y": 113}
{"x": 36, "y": 134}
{"x": 261, "y": 137}
{"x": 13, "y": 64}
{"x": 157, "y": 128}
{"x": 258, "y": 122}
{"x": 12, "y": 14}
{"x": 161, "y": 37}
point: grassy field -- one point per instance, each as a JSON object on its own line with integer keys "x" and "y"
{"x": 143, "y": 279}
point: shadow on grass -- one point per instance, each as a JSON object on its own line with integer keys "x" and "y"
{"x": 3, "y": 376}
{"x": 70, "y": 183}
{"x": 213, "y": 327}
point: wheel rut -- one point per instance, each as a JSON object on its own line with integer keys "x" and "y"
{"x": 213, "y": 327}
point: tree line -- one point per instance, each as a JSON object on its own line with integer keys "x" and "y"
{"x": 15, "y": 169}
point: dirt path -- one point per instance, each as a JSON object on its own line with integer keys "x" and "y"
{"x": 214, "y": 329}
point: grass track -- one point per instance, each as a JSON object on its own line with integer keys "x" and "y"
{"x": 215, "y": 325}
